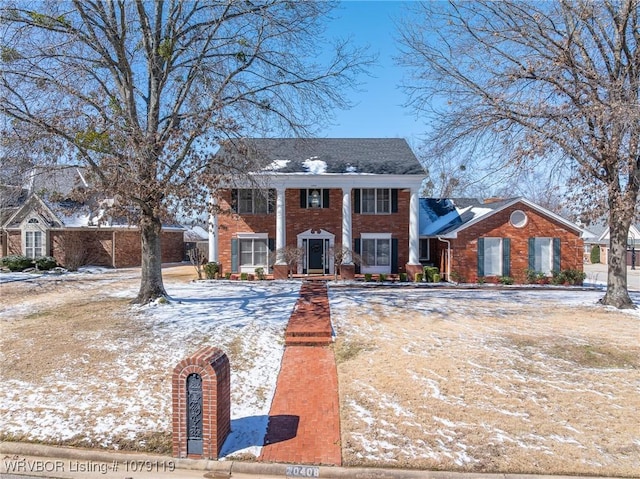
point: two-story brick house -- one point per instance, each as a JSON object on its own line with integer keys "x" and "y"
{"x": 320, "y": 196}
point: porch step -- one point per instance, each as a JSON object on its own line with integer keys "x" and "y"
{"x": 310, "y": 324}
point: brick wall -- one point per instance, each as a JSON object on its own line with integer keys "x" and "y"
{"x": 300, "y": 219}
{"x": 81, "y": 247}
{"x": 465, "y": 247}
{"x": 172, "y": 246}
{"x": 14, "y": 242}
{"x": 97, "y": 246}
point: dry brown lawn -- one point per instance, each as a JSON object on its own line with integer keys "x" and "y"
{"x": 471, "y": 382}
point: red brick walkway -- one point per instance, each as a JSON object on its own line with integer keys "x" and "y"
{"x": 304, "y": 421}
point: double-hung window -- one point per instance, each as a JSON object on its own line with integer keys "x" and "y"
{"x": 375, "y": 201}
{"x": 252, "y": 201}
{"x": 544, "y": 255}
{"x": 375, "y": 252}
{"x": 33, "y": 244}
{"x": 254, "y": 253}
{"x": 494, "y": 256}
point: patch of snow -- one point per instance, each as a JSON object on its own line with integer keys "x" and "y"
{"x": 315, "y": 166}
{"x": 277, "y": 165}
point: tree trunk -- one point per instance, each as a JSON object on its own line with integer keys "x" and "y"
{"x": 151, "y": 285}
{"x": 617, "y": 294}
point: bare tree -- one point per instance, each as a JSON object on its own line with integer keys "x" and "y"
{"x": 142, "y": 91}
{"x": 339, "y": 254}
{"x": 291, "y": 256}
{"x": 524, "y": 81}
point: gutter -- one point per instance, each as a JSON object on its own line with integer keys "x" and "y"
{"x": 440, "y": 238}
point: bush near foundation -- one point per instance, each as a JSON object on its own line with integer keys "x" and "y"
{"x": 16, "y": 262}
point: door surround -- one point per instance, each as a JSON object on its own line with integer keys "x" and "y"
{"x": 328, "y": 242}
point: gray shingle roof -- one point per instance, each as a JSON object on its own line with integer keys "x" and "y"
{"x": 339, "y": 155}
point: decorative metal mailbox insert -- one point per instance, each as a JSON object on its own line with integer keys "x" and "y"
{"x": 194, "y": 414}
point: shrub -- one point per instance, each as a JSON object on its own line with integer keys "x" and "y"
{"x": 418, "y": 277}
{"x": 46, "y": 263}
{"x": 457, "y": 277}
{"x": 260, "y": 274}
{"x": 568, "y": 276}
{"x": 227, "y": 275}
{"x": 211, "y": 270}
{"x": 244, "y": 276}
{"x": 531, "y": 276}
{"x": 17, "y": 262}
{"x": 506, "y": 280}
{"x": 429, "y": 272}
{"x": 368, "y": 277}
{"x": 595, "y": 254}
{"x": 403, "y": 277}
{"x": 436, "y": 278}
{"x": 482, "y": 280}
{"x": 382, "y": 277}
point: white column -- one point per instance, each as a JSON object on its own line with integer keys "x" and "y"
{"x": 213, "y": 231}
{"x": 414, "y": 227}
{"x": 347, "y": 242}
{"x": 281, "y": 231}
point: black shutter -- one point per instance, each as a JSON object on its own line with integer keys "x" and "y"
{"x": 271, "y": 205}
{"x": 532, "y": 254}
{"x": 234, "y": 200}
{"x": 303, "y": 199}
{"x": 325, "y": 198}
{"x": 234, "y": 255}
{"x": 556, "y": 254}
{"x": 480, "y": 257}
{"x": 506, "y": 257}
{"x": 356, "y": 201}
{"x": 356, "y": 250}
{"x": 394, "y": 201}
{"x": 394, "y": 255}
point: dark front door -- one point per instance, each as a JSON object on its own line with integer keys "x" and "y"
{"x": 316, "y": 256}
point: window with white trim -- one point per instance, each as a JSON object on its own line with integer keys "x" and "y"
{"x": 425, "y": 249}
{"x": 254, "y": 252}
{"x": 493, "y": 256}
{"x": 375, "y": 251}
{"x": 375, "y": 201}
{"x": 33, "y": 244}
{"x": 543, "y": 255}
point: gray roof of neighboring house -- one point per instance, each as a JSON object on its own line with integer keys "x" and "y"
{"x": 57, "y": 181}
{"x": 391, "y": 156}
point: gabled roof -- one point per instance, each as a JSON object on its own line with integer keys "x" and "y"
{"x": 34, "y": 204}
{"x": 446, "y": 217}
{"x": 380, "y": 156}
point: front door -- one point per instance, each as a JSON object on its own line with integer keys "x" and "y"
{"x": 315, "y": 256}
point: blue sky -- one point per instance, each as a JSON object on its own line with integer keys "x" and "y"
{"x": 378, "y": 111}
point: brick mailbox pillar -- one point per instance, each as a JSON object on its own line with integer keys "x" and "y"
{"x": 201, "y": 404}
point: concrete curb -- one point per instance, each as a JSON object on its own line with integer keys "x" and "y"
{"x": 221, "y": 469}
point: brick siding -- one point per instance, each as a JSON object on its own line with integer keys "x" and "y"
{"x": 465, "y": 247}
{"x": 300, "y": 219}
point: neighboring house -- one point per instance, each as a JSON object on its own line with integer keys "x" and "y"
{"x": 468, "y": 239}
{"x": 54, "y": 217}
{"x": 599, "y": 235}
{"x": 319, "y": 196}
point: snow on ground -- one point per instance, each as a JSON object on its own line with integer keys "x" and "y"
{"x": 130, "y": 395}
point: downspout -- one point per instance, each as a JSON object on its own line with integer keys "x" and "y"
{"x": 448, "y": 257}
